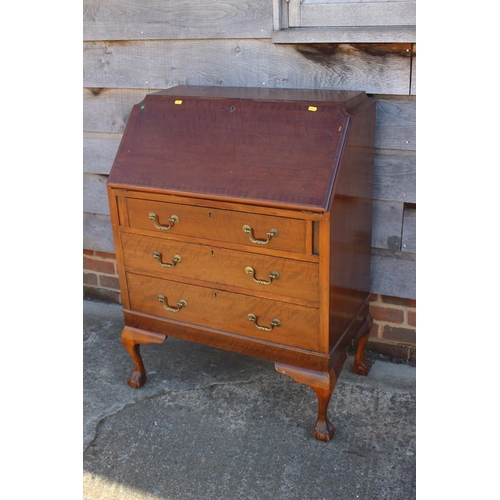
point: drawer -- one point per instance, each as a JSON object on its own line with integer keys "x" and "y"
{"x": 226, "y": 311}
{"x": 291, "y": 278}
{"x": 218, "y": 225}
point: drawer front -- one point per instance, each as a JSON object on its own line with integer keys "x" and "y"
{"x": 257, "y": 272}
{"x": 226, "y": 311}
{"x": 277, "y": 233}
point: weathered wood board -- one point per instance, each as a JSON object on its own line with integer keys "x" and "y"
{"x": 387, "y": 223}
{"x": 357, "y": 13}
{"x": 393, "y": 273}
{"x": 97, "y": 233}
{"x": 368, "y": 34}
{"x": 180, "y": 19}
{"x": 95, "y": 196}
{"x": 396, "y": 123}
{"x": 395, "y": 175}
{"x": 107, "y": 110}
{"x": 409, "y": 238}
{"x": 99, "y": 151}
{"x": 374, "y": 68}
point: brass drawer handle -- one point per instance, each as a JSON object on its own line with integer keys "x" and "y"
{"x": 273, "y": 276}
{"x": 180, "y": 304}
{"x": 175, "y": 259}
{"x": 274, "y": 322}
{"x": 273, "y": 233}
{"x": 173, "y": 220}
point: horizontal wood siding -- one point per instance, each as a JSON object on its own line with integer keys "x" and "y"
{"x": 97, "y": 233}
{"x": 374, "y": 68}
{"x": 95, "y": 199}
{"x": 395, "y": 173}
{"x": 227, "y": 43}
{"x": 393, "y": 273}
{"x": 357, "y": 14}
{"x": 368, "y": 34}
{"x": 179, "y": 19}
{"x": 99, "y": 151}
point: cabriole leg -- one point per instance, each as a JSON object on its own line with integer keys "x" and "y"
{"x": 132, "y": 338}
{"x": 361, "y": 365}
{"x": 324, "y": 429}
{"x": 323, "y": 385}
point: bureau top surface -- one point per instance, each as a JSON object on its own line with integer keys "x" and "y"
{"x": 271, "y": 147}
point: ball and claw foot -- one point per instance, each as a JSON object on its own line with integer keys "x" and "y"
{"x": 323, "y": 384}
{"x": 132, "y": 339}
{"x": 137, "y": 379}
{"x": 363, "y": 368}
{"x": 324, "y": 430}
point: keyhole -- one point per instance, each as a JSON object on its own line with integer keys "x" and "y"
{"x": 212, "y": 252}
{"x": 215, "y": 295}
{"x": 210, "y": 214}
{"x": 232, "y": 108}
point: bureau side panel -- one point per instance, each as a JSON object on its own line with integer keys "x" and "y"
{"x": 351, "y": 227}
{"x": 118, "y": 213}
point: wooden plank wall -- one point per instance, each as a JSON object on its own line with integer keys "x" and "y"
{"x": 132, "y": 48}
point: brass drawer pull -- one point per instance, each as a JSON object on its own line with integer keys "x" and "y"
{"x": 273, "y": 233}
{"x": 273, "y": 276}
{"x": 274, "y": 322}
{"x": 175, "y": 259}
{"x": 180, "y": 304}
{"x": 173, "y": 220}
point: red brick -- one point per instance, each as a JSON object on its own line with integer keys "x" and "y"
{"x": 99, "y": 266}
{"x": 398, "y": 334}
{"x": 90, "y": 279}
{"x": 398, "y": 301}
{"x": 106, "y": 255}
{"x": 88, "y": 252}
{"x": 387, "y": 314}
{"x": 374, "y": 331}
{"x": 109, "y": 282}
{"x": 373, "y": 297}
{"x": 412, "y": 318}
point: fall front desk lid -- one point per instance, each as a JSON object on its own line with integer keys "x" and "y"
{"x": 271, "y": 147}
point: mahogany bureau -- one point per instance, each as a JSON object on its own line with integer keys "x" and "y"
{"x": 242, "y": 219}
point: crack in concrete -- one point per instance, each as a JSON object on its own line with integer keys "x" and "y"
{"x": 230, "y": 383}
{"x": 166, "y": 392}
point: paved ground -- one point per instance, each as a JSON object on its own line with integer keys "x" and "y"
{"x": 211, "y": 424}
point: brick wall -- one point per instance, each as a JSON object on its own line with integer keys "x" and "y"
{"x": 394, "y": 327}
{"x": 394, "y": 319}
{"x": 100, "y": 277}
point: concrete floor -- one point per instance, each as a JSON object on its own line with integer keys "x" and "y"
{"x": 211, "y": 424}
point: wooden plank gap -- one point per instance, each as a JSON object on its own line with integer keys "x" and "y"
{"x": 408, "y": 229}
{"x": 412, "y": 52}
